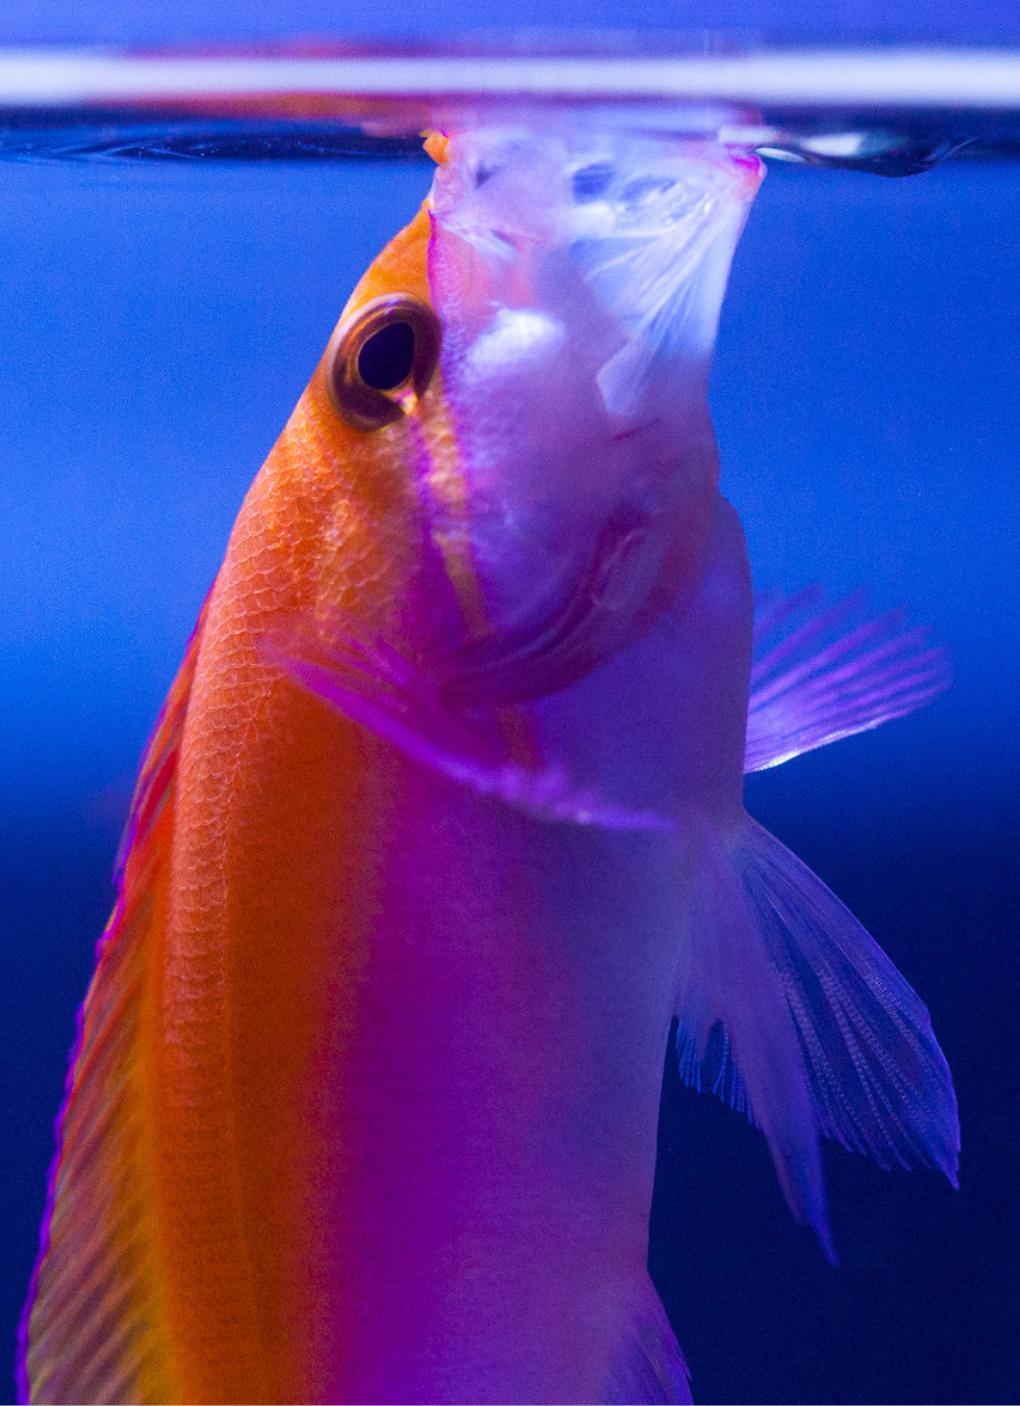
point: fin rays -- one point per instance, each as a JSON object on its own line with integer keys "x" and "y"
{"x": 91, "y": 1330}
{"x": 789, "y": 1010}
{"x": 823, "y": 679}
{"x": 376, "y": 687}
{"x": 878, "y": 1080}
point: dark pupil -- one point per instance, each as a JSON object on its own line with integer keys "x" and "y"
{"x": 387, "y": 358}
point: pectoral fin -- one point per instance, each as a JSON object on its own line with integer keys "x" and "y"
{"x": 818, "y": 677}
{"x": 381, "y": 690}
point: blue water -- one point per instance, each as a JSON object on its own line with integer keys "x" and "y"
{"x": 157, "y": 326}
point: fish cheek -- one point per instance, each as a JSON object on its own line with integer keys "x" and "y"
{"x": 418, "y": 572}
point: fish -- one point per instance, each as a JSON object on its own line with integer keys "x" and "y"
{"x": 440, "y": 834}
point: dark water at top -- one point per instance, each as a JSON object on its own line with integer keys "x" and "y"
{"x": 166, "y": 287}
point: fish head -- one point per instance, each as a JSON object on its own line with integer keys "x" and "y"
{"x": 546, "y": 385}
{"x": 578, "y": 275}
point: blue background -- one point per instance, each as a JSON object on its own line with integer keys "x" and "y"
{"x": 158, "y": 324}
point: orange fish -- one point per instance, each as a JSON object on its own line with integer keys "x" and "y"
{"x": 441, "y": 828}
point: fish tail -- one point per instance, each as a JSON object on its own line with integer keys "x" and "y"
{"x": 790, "y": 1011}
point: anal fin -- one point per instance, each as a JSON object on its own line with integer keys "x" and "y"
{"x": 789, "y": 1009}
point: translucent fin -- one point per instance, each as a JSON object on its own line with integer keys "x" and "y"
{"x": 650, "y": 1366}
{"x": 814, "y": 680}
{"x": 93, "y": 1330}
{"x": 380, "y": 690}
{"x": 789, "y": 1009}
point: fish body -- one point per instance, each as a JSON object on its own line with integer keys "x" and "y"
{"x": 441, "y": 829}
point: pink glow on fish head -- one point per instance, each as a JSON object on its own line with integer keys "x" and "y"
{"x": 578, "y": 275}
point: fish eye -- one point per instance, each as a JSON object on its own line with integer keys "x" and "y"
{"x": 386, "y": 360}
{"x": 389, "y": 347}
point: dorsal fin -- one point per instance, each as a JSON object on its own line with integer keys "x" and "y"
{"x": 93, "y": 1328}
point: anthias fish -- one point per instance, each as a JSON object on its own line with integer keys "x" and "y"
{"x": 441, "y": 828}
